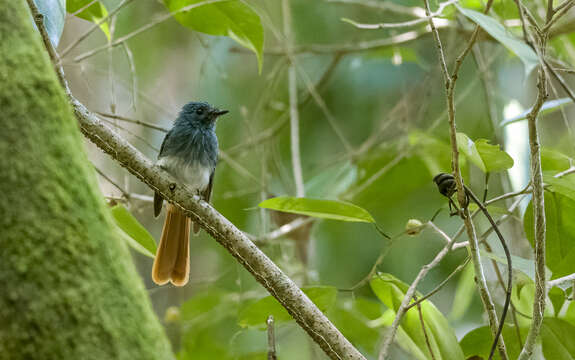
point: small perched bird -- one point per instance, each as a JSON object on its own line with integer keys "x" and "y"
{"x": 189, "y": 153}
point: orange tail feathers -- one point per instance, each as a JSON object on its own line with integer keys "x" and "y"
{"x": 172, "y": 262}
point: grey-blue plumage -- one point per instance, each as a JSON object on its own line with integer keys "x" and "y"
{"x": 190, "y": 153}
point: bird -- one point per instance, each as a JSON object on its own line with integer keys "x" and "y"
{"x": 189, "y": 152}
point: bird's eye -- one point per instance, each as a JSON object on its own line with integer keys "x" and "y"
{"x": 199, "y": 111}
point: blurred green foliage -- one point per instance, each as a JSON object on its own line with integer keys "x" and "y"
{"x": 373, "y": 133}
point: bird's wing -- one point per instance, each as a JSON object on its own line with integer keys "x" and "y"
{"x": 207, "y": 194}
{"x": 158, "y": 200}
{"x": 164, "y": 143}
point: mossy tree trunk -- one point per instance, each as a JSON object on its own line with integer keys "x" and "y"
{"x": 68, "y": 287}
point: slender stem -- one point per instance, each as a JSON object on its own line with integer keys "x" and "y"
{"x": 420, "y": 20}
{"x": 509, "y": 268}
{"x": 271, "y": 339}
{"x": 93, "y": 27}
{"x": 293, "y": 103}
{"x": 422, "y": 322}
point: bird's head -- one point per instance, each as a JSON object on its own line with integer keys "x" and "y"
{"x": 200, "y": 114}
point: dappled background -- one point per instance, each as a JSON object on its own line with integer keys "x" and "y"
{"x": 373, "y": 131}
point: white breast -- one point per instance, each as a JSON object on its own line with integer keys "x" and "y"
{"x": 195, "y": 176}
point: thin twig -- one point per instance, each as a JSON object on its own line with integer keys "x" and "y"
{"x": 561, "y": 280}
{"x": 422, "y": 322}
{"x": 83, "y": 8}
{"x": 94, "y": 27}
{"x": 271, "y": 339}
{"x": 293, "y": 103}
{"x": 282, "y": 230}
{"x": 125, "y": 194}
{"x": 441, "y": 284}
{"x": 538, "y": 201}
{"x": 133, "y": 121}
{"x": 420, "y": 20}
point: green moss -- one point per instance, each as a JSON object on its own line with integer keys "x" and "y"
{"x": 69, "y": 289}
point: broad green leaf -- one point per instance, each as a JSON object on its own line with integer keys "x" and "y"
{"x": 485, "y": 156}
{"x": 557, "y": 297}
{"x": 324, "y": 209}
{"x": 557, "y": 339}
{"x": 331, "y": 182}
{"x": 493, "y": 157}
{"x": 54, "y": 12}
{"x": 464, "y": 293}
{"x": 560, "y": 232}
{"x": 564, "y": 185}
{"x": 547, "y": 108}
{"x": 553, "y": 160}
{"x": 135, "y": 245}
{"x": 478, "y": 342}
{"x": 570, "y": 313}
{"x": 391, "y": 292}
{"x": 499, "y": 33}
{"x": 128, "y": 223}
{"x": 94, "y": 13}
{"x": 256, "y": 313}
{"x": 233, "y": 18}
{"x": 468, "y": 148}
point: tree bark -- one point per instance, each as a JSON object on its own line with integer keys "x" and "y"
{"x": 68, "y": 287}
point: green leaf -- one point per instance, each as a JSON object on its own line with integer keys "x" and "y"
{"x": 478, "y": 342}
{"x": 468, "y": 148}
{"x": 54, "y": 12}
{"x": 560, "y": 230}
{"x": 391, "y": 292}
{"x": 553, "y": 160}
{"x": 547, "y": 108}
{"x": 522, "y": 296}
{"x": 324, "y": 209}
{"x": 493, "y": 157}
{"x": 500, "y": 33}
{"x": 128, "y": 223}
{"x": 557, "y": 340}
{"x": 570, "y": 313}
{"x": 255, "y": 314}
{"x": 93, "y": 13}
{"x": 464, "y": 293}
{"x": 564, "y": 185}
{"x": 485, "y": 156}
{"x": 557, "y": 297}
{"x": 232, "y": 18}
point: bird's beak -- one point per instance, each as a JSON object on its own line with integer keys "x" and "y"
{"x": 218, "y": 112}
